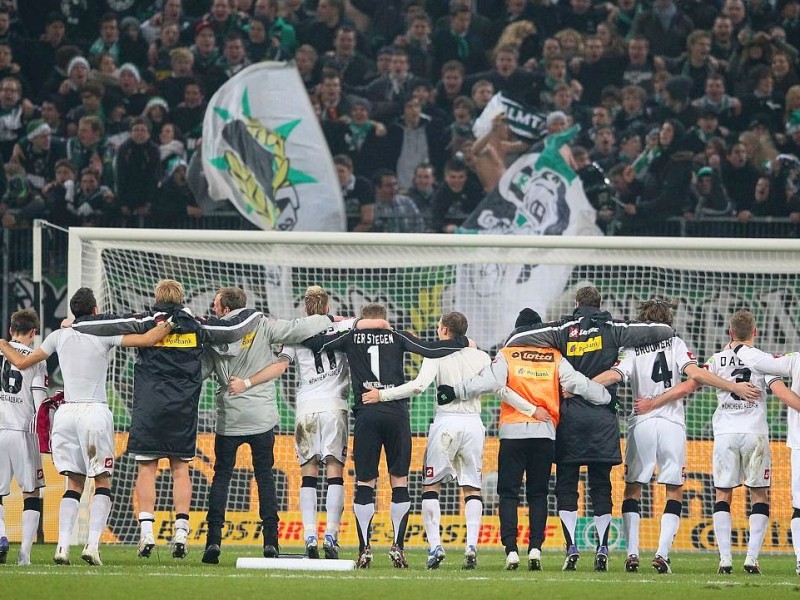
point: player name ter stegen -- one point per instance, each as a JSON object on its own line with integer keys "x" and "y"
{"x": 644, "y": 349}
{"x": 373, "y": 338}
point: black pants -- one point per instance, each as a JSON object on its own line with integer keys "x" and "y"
{"x": 261, "y": 447}
{"x": 533, "y": 458}
{"x": 568, "y": 476}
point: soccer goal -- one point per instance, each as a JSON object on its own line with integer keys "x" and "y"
{"x": 419, "y": 277}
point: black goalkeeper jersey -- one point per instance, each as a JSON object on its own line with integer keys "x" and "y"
{"x": 376, "y": 358}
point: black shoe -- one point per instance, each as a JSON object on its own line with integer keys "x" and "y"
{"x": 271, "y": 551}
{"x": 211, "y": 554}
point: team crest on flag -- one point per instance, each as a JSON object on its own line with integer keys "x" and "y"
{"x": 263, "y": 150}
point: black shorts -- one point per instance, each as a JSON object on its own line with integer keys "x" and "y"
{"x": 375, "y": 428}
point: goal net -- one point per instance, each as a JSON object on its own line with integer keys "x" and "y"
{"x": 419, "y": 277}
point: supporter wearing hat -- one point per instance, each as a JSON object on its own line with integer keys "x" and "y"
{"x": 133, "y": 47}
{"x": 675, "y": 102}
{"x": 129, "y": 91}
{"x": 37, "y": 152}
{"x": 175, "y": 202}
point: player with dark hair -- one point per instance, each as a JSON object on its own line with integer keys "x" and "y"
{"x": 376, "y": 362}
{"x": 83, "y": 429}
{"x": 22, "y": 393}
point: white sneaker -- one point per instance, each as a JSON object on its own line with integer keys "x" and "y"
{"x": 147, "y": 544}
{"x": 61, "y": 556}
{"x": 725, "y": 565}
{"x": 23, "y": 560}
{"x": 512, "y": 561}
{"x": 179, "y": 543}
{"x": 535, "y": 560}
{"x": 91, "y": 556}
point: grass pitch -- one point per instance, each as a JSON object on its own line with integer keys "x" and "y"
{"x": 126, "y": 577}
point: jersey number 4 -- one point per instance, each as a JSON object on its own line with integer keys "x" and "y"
{"x": 661, "y": 371}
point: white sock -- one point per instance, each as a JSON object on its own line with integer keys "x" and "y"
{"x": 30, "y": 525}
{"x": 98, "y": 517}
{"x": 795, "y": 526}
{"x": 569, "y": 519}
{"x": 601, "y": 523}
{"x": 669, "y": 528}
{"x": 146, "y": 523}
{"x": 2, "y": 521}
{"x": 758, "y": 529}
{"x": 364, "y": 514}
{"x": 308, "y": 510}
{"x": 630, "y": 523}
{"x": 67, "y": 513}
{"x": 398, "y": 511}
{"x": 182, "y": 524}
{"x": 334, "y": 505}
{"x": 473, "y": 510}
{"x": 431, "y": 517}
{"x": 722, "y": 531}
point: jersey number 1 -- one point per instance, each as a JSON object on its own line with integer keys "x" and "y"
{"x": 375, "y": 361}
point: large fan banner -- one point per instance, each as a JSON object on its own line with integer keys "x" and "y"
{"x": 263, "y": 149}
{"x": 539, "y": 194}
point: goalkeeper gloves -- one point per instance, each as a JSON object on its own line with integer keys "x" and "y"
{"x": 445, "y": 394}
{"x": 615, "y": 405}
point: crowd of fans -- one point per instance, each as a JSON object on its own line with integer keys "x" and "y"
{"x": 691, "y": 107}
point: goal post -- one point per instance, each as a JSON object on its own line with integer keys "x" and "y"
{"x": 419, "y": 277}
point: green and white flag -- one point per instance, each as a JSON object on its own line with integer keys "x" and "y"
{"x": 263, "y": 149}
{"x": 539, "y": 194}
{"x": 524, "y": 121}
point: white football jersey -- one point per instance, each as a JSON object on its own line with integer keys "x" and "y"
{"x": 323, "y": 379}
{"x": 787, "y": 365}
{"x": 651, "y": 370}
{"x": 17, "y": 406}
{"x": 84, "y": 362}
{"x": 734, "y": 414}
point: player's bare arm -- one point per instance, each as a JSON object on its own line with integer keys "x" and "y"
{"x": 237, "y": 385}
{"x": 609, "y": 377}
{"x": 643, "y": 406}
{"x": 19, "y": 360}
{"x": 744, "y": 389}
{"x": 372, "y": 324}
{"x": 785, "y": 395}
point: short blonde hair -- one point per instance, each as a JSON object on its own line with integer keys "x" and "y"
{"x": 743, "y": 325}
{"x": 169, "y": 291}
{"x": 316, "y": 301}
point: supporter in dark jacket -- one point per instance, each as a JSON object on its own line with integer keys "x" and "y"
{"x": 138, "y": 167}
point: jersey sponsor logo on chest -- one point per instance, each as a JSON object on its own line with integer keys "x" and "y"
{"x": 593, "y": 344}
{"x": 179, "y": 340}
{"x": 247, "y": 340}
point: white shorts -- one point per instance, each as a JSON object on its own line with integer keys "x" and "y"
{"x": 742, "y": 458}
{"x": 321, "y": 435}
{"x": 20, "y": 458}
{"x": 655, "y": 442}
{"x": 454, "y": 450}
{"x": 152, "y": 457}
{"x": 83, "y": 439}
{"x": 795, "y": 477}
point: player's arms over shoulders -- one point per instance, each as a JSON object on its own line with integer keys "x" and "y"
{"x": 19, "y": 360}
{"x": 151, "y": 338}
{"x": 787, "y": 365}
{"x": 638, "y": 334}
{"x": 489, "y": 380}
{"x": 232, "y": 328}
{"x": 372, "y": 324}
{"x": 542, "y": 336}
{"x": 109, "y": 324}
{"x": 436, "y": 349}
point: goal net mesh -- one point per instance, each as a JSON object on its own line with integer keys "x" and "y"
{"x": 418, "y": 282}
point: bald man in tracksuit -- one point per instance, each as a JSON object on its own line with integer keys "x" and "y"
{"x": 528, "y": 424}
